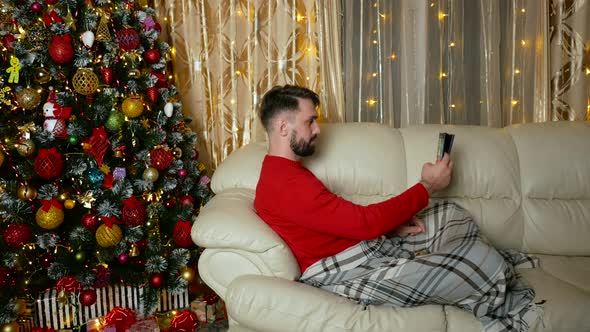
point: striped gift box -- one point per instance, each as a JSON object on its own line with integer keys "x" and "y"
{"x": 50, "y": 313}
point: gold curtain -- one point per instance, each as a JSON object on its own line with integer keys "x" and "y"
{"x": 228, "y": 53}
{"x": 491, "y": 63}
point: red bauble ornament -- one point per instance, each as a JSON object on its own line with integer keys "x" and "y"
{"x": 133, "y": 211}
{"x": 87, "y": 297}
{"x": 90, "y": 222}
{"x": 61, "y": 50}
{"x": 152, "y": 56}
{"x": 127, "y": 38}
{"x": 36, "y": 7}
{"x": 108, "y": 74}
{"x": 157, "y": 280}
{"x": 16, "y": 235}
{"x": 46, "y": 259}
{"x": 169, "y": 203}
{"x": 153, "y": 94}
{"x": 123, "y": 258}
{"x": 182, "y": 234}
{"x": 182, "y": 173}
{"x": 48, "y": 163}
{"x": 5, "y": 278}
{"x": 186, "y": 200}
{"x": 161, "y": 158}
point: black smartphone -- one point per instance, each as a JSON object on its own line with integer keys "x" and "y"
{"x": 445, "y": 143}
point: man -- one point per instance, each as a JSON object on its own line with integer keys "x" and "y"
{"x": 341, "y": 246}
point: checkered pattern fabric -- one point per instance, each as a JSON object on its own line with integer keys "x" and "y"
{"x": 451, "y": 264}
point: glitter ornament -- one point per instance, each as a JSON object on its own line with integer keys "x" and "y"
{"x": 151, "y": 174}
{"x": 108, "y": 236}
{"x": 90, "y": 222}
{"x": 61, "y": 50}
{"x": 85, "y": 81}
{"x": 161, "y": 158}
{"x": 28, "y": 98}
{"x": 114, "y": 121}
{"x": 127, "y": 38}
{"x": 16, "y": 235}
{"x": 102, "y": 32}
{"x": 132, "y": 107}
{"x": 95, "y": 177}
{"x": 50, "y": 215}
{"x": 152, "y": 93}
{"x": 25, "y": 147}
{"x": 87, "y": 38}
{"x": 87, "y": 297}
{"x": 119, "y": 173}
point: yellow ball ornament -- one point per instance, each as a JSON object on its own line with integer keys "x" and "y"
{"x": 132, "y": 107}
{"x": 50, "y": 218}
{"x": 151, "y": 174}
{"x": 69, "y": 204}
{"x": 85, "y": 81}
{"x": 187, "y": 273}
{"x": 25, "y": 147}
{"x": 10, "y": 327}
{"x": 108, "y": 237}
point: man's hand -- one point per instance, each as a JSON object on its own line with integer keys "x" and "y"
{"x": 413, "y": 227}
{"x": 437, "y": 176}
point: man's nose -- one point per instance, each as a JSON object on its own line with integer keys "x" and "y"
{"x": 316, "y": 129}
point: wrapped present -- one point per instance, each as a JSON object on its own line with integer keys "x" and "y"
{"x": 55, "y": 311}
{"x": 209, "y": 308}
{"x": 142, "y": 325}
{"x": 145, "y": 325}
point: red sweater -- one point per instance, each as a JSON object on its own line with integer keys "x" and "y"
{"x": 316, "y": 223}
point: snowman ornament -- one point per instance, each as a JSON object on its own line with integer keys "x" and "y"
{"x": 55, "y": 117}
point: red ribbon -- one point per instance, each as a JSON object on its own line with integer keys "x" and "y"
{"x": 47, "y": 204}
{"x": 44, "y": 153}
{"x": 122, "y": 318}
{"x": 184, "y": 321}
{"x": 132, "y": 202}
{"x": 183, "y": 225}
{"x": 51, "y": 18}
{"x": 68, "y": 284}
{"x": 109, "y": 221}
{"x": 108, "y": 181}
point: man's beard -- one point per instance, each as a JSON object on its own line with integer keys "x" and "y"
{"x": 301, "y": 147}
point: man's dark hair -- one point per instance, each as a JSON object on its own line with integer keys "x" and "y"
{"x": 283, "y": 98}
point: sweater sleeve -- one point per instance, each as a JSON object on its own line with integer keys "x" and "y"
{"x": 313, "y": 206}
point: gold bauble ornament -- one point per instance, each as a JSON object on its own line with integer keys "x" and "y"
{"x": 20, "y": 306}
{"x": 151, "y": 174}
{"x": 85, "y": 81}
{"x": 63, "y": 196}
{"x": 187, "y": 273}
{"x": 134, "y": 250}
{"x": 42, "y": 75}
{"x": 177, "y": 152}
{"x": 26, "y": 193}
{"x": 108, "y": 237}
{"x": 50, "y": 219}
{"x": 10, "y": 327}
{"x": 28, "y": 98}
{"x": 25, "y": 147}
{"x": 69, "y": 204}
{"x": 132, "y": 106}
{"x": 134, "y": 73}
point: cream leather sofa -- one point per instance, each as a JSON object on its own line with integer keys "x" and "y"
{"x": 528, "y": 187}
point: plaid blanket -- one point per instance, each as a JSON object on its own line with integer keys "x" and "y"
{"x": 451, "y": 264}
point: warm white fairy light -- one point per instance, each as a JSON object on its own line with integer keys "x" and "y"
{"x": 452, "y": 44}
{"x": 371, "y": 101}
{"x": 514, "y": 102}
{"x": 517, "y": 71}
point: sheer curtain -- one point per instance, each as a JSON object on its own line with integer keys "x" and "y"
{"x": 228, "y": 53}
{"x": 463, "y": 61}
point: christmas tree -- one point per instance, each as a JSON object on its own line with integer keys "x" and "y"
{"x": 99, "y": 177}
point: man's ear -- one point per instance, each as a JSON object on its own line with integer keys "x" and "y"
{"x": 283, "y": 126}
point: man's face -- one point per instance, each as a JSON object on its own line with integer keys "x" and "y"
{"x": 306, "y": 129}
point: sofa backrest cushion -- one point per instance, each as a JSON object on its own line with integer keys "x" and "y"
{"x": 527, "y": 186}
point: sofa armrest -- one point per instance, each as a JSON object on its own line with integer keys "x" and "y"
{"x": 273, "y": 304}
{"x": 234, "y": 236}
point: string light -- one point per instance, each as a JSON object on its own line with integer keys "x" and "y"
{"x": 443, "y": 75}
{"x": 514, "y": 102}
{"x": 517, "y": 71}
{"x": 240, "y": 13}
{"x": 523, "y": 10}
{"x": 371, "y": 102}
{"x": 441, "y": 16}
{"x": 375, "y": 74}
{"x": 523, "y": 42}
{"x": 452, "y": 105}
{"x": 452, "y": 44}
{"x": 238, "y": 73}
{"x": 374, "y": 41}
{"x": 299, "y": 18}
{"x": 432, "y": 4}
{"x": 393, "y": 56}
